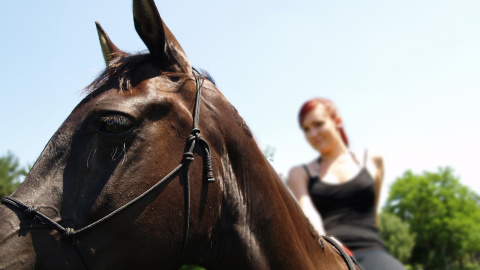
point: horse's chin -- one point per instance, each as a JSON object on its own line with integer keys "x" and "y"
{"x": 17, "y": 250}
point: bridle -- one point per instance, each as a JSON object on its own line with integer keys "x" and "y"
{"x": 70, "y": 234}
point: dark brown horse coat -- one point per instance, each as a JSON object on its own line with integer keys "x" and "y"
{"x": 129, "y": 132}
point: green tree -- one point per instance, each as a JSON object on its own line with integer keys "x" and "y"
{"x": 10, "y": 174}
{"x": 444, "y": 215}
{"x": 396, "y": 235}
{"x": 191, "y": 267}
{"x": 269, "y": 153}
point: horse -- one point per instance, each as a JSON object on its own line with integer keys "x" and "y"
{"x": 155, "y": 169}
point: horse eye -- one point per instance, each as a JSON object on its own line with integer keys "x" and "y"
{"x": 115, "y": 124}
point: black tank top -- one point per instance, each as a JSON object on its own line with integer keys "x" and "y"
{"x": 348, "y": 210}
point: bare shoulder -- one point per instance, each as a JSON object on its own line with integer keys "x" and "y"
{"x": 299, "y": 172}
{"x": 297, "y": 175}
{"x": 298, "y": 181}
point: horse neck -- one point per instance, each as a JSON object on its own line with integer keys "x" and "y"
{"x": 261, "y": 216}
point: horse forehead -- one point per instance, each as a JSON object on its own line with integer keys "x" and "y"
{"x": 154, "y": 89}
{"x": 162, "y": 89}
{"x": 156, "y": 85}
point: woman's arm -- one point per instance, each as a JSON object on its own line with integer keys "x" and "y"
{"x": 378, "y": 177}
{"x": 298, "y": 184}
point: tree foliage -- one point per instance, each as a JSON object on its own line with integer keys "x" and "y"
{"x": 397, "y": 236}
{"x": 444, "y": 215}
{"x": 10, "y": 174}
{"x": 269, "y": 153}
{"x": 191, "y": 267}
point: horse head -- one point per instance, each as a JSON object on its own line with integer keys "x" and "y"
{"x": 123, "y": 182}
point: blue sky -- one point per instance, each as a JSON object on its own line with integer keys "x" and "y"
{"x": 405, "y": 74}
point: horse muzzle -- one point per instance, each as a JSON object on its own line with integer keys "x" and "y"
{"x": 16, "y": 247}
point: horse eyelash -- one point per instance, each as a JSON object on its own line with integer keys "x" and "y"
{"x": 124, "y": 148}
{"x": 123, "y": 151}
{"x": 115, "y": 119}
{"x": 90, "y": 155}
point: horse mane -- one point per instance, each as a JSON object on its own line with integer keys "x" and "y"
{"x": 121, "y": 69}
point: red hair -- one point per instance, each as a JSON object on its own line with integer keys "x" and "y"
{"x": 329, "y": 107}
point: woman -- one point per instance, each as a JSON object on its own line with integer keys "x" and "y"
{"x": 339, "y": 191}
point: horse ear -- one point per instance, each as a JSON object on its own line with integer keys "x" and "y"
{"x": 109, "y": 50}
{"x": 161, "y": 43}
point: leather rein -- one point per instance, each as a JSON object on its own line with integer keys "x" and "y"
{"x": 70, "y": 234}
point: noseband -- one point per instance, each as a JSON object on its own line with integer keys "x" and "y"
{"x": 70, "y": 233}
